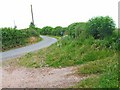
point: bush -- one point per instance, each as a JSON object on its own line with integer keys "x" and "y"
{"x": 15, "y": 38}
{"x": 47, "y": 30}
{"x": 32, "y": 33}
{"x": 75, "y": 29}
{"x": 58, "y": 31}
{"x": 100, "y": 27}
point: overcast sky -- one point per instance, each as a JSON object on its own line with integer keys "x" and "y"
{"x": 54, "y": 12}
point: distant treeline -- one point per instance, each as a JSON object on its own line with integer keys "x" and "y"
{"x": 100, "y": 27}
{"x": 60, "y": 31}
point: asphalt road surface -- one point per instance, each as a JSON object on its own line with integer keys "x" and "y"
{"x": 47, "y": 41}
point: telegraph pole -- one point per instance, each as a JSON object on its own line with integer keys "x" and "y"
{"x": 32, "y": 15}
{"x": 15, "y": 25}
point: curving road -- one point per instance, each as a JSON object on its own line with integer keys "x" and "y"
{"x": 47, "y": 41}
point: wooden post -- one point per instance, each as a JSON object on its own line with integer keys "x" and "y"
{"x": 32, "y": 15}
{"x": 15, "y": 25}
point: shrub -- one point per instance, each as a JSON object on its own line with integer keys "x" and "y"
{"x": 14, "y": 38}
{"x": 100, "y": 27}
{"x": 47, "y": 30}
{"x": 71, "y": 29}
{"x": 75, "y": 29}
{"x": 58, "y": 31}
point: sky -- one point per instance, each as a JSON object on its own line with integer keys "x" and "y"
{"x": 54, "y": 12}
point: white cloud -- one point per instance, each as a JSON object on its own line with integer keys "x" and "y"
{"x": 54, "y": 12}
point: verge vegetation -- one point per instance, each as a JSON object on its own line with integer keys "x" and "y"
{"x": 13, "y": 38}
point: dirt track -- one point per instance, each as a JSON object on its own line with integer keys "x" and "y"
{"x": 39, "y": 78}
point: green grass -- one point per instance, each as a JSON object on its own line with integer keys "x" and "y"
{"x": 32, "y": 60}
{"x": 99, "y": 66}
{"x": 71, "y": 53}
{"x": 106, "y": 80}
{"x": 106, "y": 71}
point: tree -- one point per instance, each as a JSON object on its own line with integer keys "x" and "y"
{"x": 75, "y": 29}
{"x": 47, "y": 30}
{"x": 58, "y": 31}
{"x": 71, "y": 29}
{"x": 100, "y": 27}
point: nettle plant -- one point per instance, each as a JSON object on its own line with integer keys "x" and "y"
{"x": 100, "y": 27}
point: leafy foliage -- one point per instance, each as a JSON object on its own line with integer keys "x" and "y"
{"x": 100, "y": 27}
{"x": 15, "y": 38}
{"x": 46, "y": 30}
{"x": 57, "y": 31}
{"x": 75, "y": 29}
